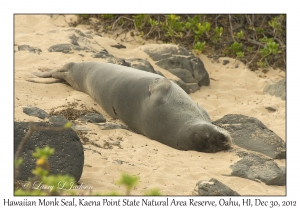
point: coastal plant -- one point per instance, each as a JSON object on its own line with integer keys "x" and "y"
{"x": 270, "y": 49}
{"x": 173, "y": 27}
{"x": 253, "y": 38}
{"x": 199, "y": 46}
{"x": 218, "y": 31}
{"x": 276, "y": 24}
{"x": 236, "y": 47}
{"x": 240, "y": 35}
{"x": 128, "y": 181}
{"x": 153, "y": 192}
{"x": 200, "y": 29}
{"x": 140, "y": 20}
{"x": 108, "y": 16}
{"x": 240, "y": 54}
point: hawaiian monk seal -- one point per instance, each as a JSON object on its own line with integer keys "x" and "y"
{"x": 147, "y": 103}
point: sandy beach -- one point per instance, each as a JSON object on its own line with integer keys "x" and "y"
{"x": 233, "y": 89}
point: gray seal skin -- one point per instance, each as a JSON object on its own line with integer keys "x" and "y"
{"x": 147, "y": 103}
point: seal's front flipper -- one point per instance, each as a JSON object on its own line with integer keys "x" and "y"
{"x": 161, "y": 85}
{"x": 159, "y": 89}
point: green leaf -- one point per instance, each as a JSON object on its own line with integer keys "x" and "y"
{"x": 128, "y": 181}
{"x": 40, "y": 172}
{"x": 236, "y": 47}
{"x": 153, "y": 192}
{"x": 240, "y": 54}
{"x": 218, "y": 31}
{"x": 43, "y": 152}
{"x": 108, "y": 16}
{"x": 18, "y": 162}
{"x": 240, "y": 35}
{"x": 199, "y": 46}
{"x": 68, "y": 125}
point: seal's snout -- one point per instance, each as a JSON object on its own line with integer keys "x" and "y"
{"x": 211, "y": 138}
{"x": 225, "y": 136}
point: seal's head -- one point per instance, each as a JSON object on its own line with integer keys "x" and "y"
{"x": 205, "y": 137}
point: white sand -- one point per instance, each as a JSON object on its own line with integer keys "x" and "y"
{"x": 232, "y": 91}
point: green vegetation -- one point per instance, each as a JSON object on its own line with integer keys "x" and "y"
{"x": 257, "y": 40}
{"x": 128, "y": 181}
{"x": 41, "y": 175}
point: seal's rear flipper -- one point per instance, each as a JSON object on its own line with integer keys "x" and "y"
{"x": 43, "y": 74}
{"x": 44, "y": 80}
{"x": 46, "y": 76}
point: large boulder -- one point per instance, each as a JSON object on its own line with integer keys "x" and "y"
{"x": 213, "y": 187}
{"x": 68, "y": 157}
{"x": 256, "y": 168}
{"x": 252, "y": 134}
{"x": 36, "y": 112}
{"x": 178, "y": 60}
{"x": 277, "y": 89}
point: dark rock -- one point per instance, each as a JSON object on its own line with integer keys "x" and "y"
{"x": 172, "y": 57}
{"x": 271, "y": 108}
{"x": 167, "y": 51}
{"x": 256, "y": 168}
{"x": 185, "y": 75}
{"x": 68, "y": 157}
{"x": 66, "y": 48}
{"x": 141, "y": 64}
{"x": 98, "y": 34}
{"x": 77, "y": 31}
{"x": 158, "y": 72}
{"x": 118, "y": 46}
{"x": 118, "y": 61}
{"x": 120, "y": 162}
{"x": 58, "y": 120}
{"x": 278, "y": 89}
{"x": 80, "y": 33}
{"x": 110, "y": 126}
{"x": 183, "y": 85}
{"x": 36, "y": 112}
{"x": 74, "y": 40}
{"x": 93, "y": 118}
{"x": 199, "y": 72}
{"x": 135, "y": 63}
{"x": 30, "y": 49}
{"x": 214, "y": 188}
{"x": 225, "y": 62}
{"x": 176, "y": 62}
{"x": 193, "y": 87}
{"x": 251, "y": 134}
{"x": 52, "y": 31}
{"x": 102, "y": 54}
